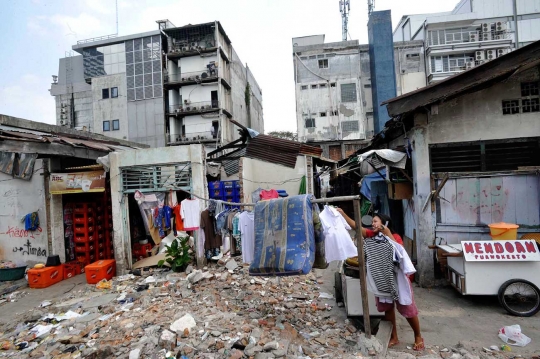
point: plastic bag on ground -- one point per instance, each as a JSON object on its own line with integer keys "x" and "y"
{"x": 104, "y": 284}
{"x": 512, "y": 335}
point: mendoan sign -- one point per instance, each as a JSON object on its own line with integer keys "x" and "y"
{"x": 518, "y": 250}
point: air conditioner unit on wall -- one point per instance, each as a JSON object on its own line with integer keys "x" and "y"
{"x": 63, "y": 122}
{"x": 501, "y": 52}
{"x": 473, "y": 36}
{"x": 479, "y": 55}
{"x": 491, "y": 54}
{"x": 485, "y": 36}
{"x": 469, "y": 65}
{"x": 487, "y": 27}
{"x": 501, "y": 26}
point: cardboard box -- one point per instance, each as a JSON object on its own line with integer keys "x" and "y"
{"x": 45, "y": 277}
{"x": 103, "y": 269}
{"x": 400, "y": 190}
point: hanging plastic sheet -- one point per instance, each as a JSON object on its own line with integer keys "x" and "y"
{"x": 284, "y": 237}
{"x": 367, "y": 181}
{"x": 24, "y": 166}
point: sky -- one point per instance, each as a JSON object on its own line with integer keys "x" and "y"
{"x": 36, "y": 33}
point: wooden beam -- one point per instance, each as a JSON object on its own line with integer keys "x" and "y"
{"x": 49, "y": 149}
{"x": 362, "y": 267}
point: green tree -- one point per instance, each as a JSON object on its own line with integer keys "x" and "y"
{"x": 286, "y": 135}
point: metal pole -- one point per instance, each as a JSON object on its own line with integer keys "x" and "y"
{"x": 516, "y": 23}
{"x": 362, "y": 267}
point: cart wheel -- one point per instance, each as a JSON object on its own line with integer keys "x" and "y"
{"x": 338, "y": 293}
{"x": 520, "y": 297}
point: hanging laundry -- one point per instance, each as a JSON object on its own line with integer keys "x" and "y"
{"x": 282, "y": 193}
{"x": 270, "y": 194}
{"x": 320, "y": 258}
{"x": 284, "y": 237}
{"x": 212, "y": 239}
{"x": 190, "y": 212}
{"x": 380, "y": 263}
{"x": 153, "y": 231}
{"x": 178, "y": 221}
{"x": 167, "y": 213}
{"x": 236, "y": 233}
{"x": 338, "y": 243}
{"x": 159, "y": 215}
{"x": 246, "y": 226}
{"x": 31, "y": 221}
{"x": 256, "y": 195}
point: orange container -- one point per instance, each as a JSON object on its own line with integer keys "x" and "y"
{"x": 45, "y": 277}
{"x": 71, "y": 269}
{"x": 103, "y": 269}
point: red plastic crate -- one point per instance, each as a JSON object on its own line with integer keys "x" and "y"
{"x": 103, "y": 269}
{"x": 83, "y": 238}
{"x": 71, "y": 269}
{"x": 84, "y": 229}
{"x": 86, "y": 257}
{"x": 45, "y": 277}
{"x": 85, "y": 247}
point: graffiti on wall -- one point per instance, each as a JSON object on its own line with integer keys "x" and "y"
{"x": 29, "y": 250}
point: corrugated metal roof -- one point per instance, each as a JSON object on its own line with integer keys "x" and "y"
{"x": 278, "y": 150}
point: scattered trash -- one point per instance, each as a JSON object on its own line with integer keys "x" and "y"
{"x": 150, "y": 279}
{"x": 45, "y": 303}
{"x": 512, "y": 335}
{"x": 104, "y": 284}
{"x": 326, "y": 295}
{"x": 494, "y": 348}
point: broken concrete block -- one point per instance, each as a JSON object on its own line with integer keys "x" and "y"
{"x": 231, "y": 264}
{"x": 186, "y": 322}
{"x": 167, "y": 340}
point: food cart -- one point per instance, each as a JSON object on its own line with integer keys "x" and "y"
{"x": 508, "y": 269}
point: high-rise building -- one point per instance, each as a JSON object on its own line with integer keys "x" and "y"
{"x": 171, "y": 86}
{"x": 473, "y": 33}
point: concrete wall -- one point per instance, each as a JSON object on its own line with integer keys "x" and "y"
{"x": 381, "y": 54}
{"x": 195, "y": 63}
{"x": 254, "y": 173}
{"x": 168, "y": 155}
{"x": 146, "y": 122}
{"x": 18, "y": 198}
{"x": 112, "y": 108}
{"x": 479, "y": 115}
{"x": 409, "y": 64}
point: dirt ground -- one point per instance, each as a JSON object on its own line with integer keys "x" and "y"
{"x": 447, "y": 318}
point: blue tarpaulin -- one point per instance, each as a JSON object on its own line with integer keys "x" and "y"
{"x": 365, "y": 190}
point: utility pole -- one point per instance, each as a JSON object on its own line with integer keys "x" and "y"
{"x": 344, "y": 9}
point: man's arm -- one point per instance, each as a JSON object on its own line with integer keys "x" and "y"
{"x": 350, "y": 221}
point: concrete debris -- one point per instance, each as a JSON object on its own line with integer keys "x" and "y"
{"x": 219, "y": 312}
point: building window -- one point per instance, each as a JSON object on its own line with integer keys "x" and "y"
{"x": 529, "y": 89}
{"x": 323, "y": 64}
{"x": 322, "y": 114}
{"x": 304, "y": 87}
{"x": 321, "y": 86}
{"x": 367, "y": 86}
{"x": 530, "y": 105}
{"x": 348, "y": 93}
{"x": 115, "y": 125}
{"x": 303, "y": 58}
{"x": 310, "y": 122}
{"x": 333, "y": 84}
{"x": 335, "y": 113}
{"x": 312, "y": 57}
{"x": 320, "y": 56}
{"x": 510, "y": 107}
{"x": 106, "y": 126}
{"x": 114, "y": 92}
{"x": 330, "y": 55}
{"x": 104, "y": 93}
{"x": 413, "y": 56}
{"x": 313, "y": 86}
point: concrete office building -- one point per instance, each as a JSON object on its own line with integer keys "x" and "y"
{"x": 134, "y": 87}
{"x": 333, "y": 85}
{"x": 474, "y": 32}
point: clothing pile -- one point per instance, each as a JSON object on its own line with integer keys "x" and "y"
{"x": 265, "y": 194}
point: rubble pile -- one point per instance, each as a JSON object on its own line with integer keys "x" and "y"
{"x": 217, "y": 312}
{"x": 220, "y": 312}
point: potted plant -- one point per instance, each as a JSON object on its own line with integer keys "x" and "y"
{"x": 177, "y": 255}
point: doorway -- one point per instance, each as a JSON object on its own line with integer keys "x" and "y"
{"x": 214, "y": 98}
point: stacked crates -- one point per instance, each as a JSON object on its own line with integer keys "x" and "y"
{"x": 228, "y": 191}
{"x": 84, "y": 232}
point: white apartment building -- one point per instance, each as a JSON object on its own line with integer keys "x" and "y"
{"x": 474, "y": 32}
{"x": 170, "y": 86}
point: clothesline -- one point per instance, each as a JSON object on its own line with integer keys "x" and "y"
{"x": 217, "y": 200}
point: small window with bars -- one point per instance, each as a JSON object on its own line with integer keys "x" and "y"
{"x": 322, "y": 114}
{"x": 530, "y": 105}
{"x": 313, "y": 86}
{"x": 310, "y": 122}
{"x": 323, "y": 64}
{"x": 348, "y": 93}
{"x": 529, "y": 88}
{"x": 510, "y": 107}
{"x": 304, "y": 87}
{"x": 321, "y": 86}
